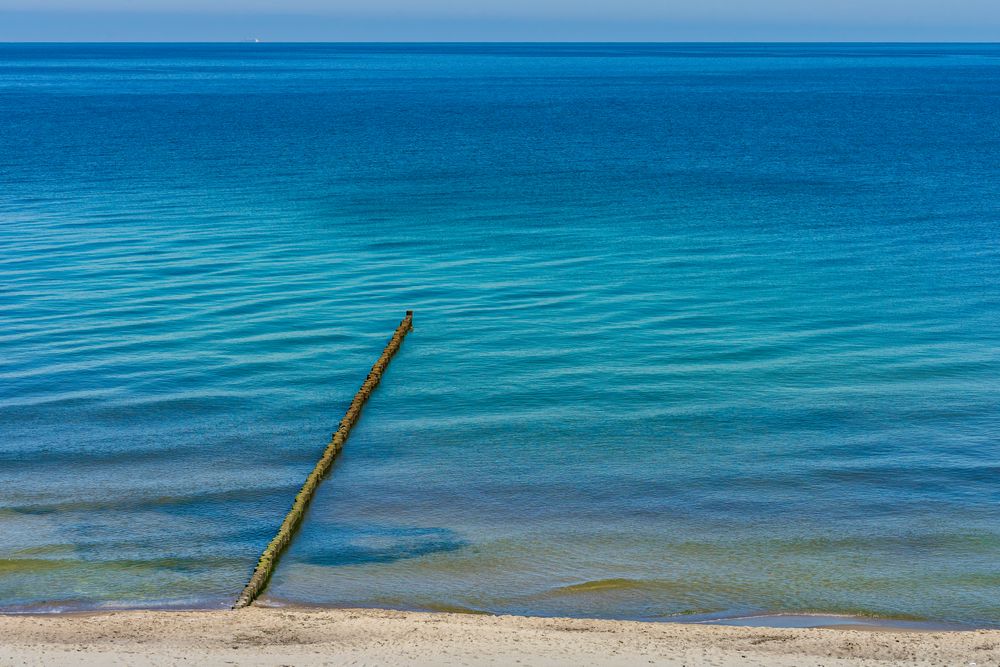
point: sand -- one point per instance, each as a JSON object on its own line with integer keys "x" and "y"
{"x": 285, "y": 636}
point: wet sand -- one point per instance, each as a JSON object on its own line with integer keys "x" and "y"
{"x": 284, "y": 636}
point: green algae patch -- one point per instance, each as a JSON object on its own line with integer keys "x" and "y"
{"x": 599, "y": 585}
{"x": 32, "y": 565}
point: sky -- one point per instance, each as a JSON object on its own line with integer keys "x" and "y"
{"x": 500, "y": 20}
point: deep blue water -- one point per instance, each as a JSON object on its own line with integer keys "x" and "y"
{"x": 700, "y": 329}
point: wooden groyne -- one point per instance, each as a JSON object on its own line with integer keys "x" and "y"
{"x": 265, "y": 565}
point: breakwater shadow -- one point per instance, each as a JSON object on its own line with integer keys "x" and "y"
{"x": 339, "y": 545}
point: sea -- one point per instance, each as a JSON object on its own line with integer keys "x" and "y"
{"x": 702, "y": 331}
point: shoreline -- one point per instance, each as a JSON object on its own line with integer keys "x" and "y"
{"x": 754, "y": 619}
{"x": 751, "y": 619}
{"x": 311, "y": 636}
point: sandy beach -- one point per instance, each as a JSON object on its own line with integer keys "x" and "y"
{"x": 272, "y": 636}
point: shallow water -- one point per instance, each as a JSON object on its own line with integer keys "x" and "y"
{"x": 699, "y": 329}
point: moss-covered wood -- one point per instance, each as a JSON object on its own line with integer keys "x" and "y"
{"x": 265, "y": 565}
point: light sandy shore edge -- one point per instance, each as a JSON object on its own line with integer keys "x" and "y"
{"x": 283, "y": 636}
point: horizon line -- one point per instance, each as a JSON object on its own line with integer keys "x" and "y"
{"x": 507, "y": 41}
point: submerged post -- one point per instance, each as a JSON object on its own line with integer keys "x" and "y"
{"x": 268, "y": 559}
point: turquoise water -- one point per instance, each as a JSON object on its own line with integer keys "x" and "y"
{"x": 700, "y": 329}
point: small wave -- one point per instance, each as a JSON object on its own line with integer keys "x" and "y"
{"x": 616, "y": 584}
{"x": 600, "y": 585}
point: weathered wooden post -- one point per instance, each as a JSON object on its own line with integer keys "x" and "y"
{"x": 265, "y": 565}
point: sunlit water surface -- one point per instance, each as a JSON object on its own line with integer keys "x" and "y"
{"x": 705, "y": 330}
